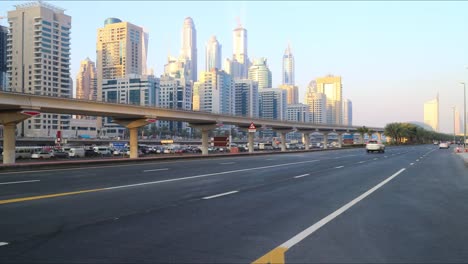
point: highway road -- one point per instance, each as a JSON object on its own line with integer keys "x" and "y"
{"x": 406, "y": 205}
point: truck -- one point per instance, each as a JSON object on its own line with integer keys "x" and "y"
{"x": 374, "y": 145}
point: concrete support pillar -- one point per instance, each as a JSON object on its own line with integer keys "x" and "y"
{"x": 340, "y": 140}
{"x": 283, "y": 140}
{"x": 9, "y": 143}
{"x": 205, "y": 141}
{"x": 250, "y": 142}
{"x": 379, "y": 136}
{"x": 362, "y": 138}
{"x": 133, "y": 142}
{"x": 306, "y": 140}
{"x": 325, "y": 140}
{"x": 133, "y": 124}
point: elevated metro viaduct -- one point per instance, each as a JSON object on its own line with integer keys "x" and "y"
{"x": 17, "y": 107}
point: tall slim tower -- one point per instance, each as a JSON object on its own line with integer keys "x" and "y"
{"x": 240, "y": 58}
{"x": 288, "y": 66}
{"x": 119, "y": 51}
{"x": 38, "y": 60}
{"x": 3, "y": 62}
{"x": 189, "y": 46}
{"x": 213, "y": 54}
{"x": 86, "y": 81}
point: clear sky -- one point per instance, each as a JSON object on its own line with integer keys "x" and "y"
{"x": 393, "y": 56}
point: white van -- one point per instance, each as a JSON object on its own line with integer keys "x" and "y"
{"x": 76, "y": 152}
{"x": 104, "y": 151}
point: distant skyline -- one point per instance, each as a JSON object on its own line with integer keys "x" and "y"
{"x": 399, "y": 54}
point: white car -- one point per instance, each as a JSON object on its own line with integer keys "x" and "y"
{"x": 41, "y": 155}
{"x": 443, "y": 145}
{"x": 374, "y": 145}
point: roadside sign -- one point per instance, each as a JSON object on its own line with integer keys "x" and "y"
{"x": 252, "y": 128}
{"x": 30, "y": 112}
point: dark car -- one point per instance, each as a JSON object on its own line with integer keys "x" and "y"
{"x": 91, "y": 153}
{"x": 58, "y": 154}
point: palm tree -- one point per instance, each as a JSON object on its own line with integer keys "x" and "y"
{"x": 363, "y": 130}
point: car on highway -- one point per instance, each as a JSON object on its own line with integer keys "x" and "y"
{"x": 41, "y": 155}
{"x": 444, "y": 145}
{"x": 59, "y": 154}
{"x": 374, "y": 145}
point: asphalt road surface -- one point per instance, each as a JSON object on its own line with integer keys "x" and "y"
{"x": 408, "y": 204}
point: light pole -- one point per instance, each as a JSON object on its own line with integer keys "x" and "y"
{"x": 464, "y": 114}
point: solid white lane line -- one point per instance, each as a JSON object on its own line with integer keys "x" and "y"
{"x": 3, "y": 243}
{"x": 227, "y": 163}
{"x": 219, "y": 195}
{"x": 208, "y": 175}
{"x": 5, "y": 183}
{"x": 156, "y": 170}
{"x": 310, "y": 230}
{"x": 361, "y": 162}
{"x": 339, "y": 167}
{"x": 411, "y": 164}
{"x": 300, "y": 176}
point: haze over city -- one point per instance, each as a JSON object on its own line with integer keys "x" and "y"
{"x": 392, "y": 56}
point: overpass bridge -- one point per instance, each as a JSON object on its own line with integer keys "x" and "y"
{"x": 17, "y": 107}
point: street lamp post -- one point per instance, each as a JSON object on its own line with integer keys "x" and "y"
{"x": 464, "y": 115}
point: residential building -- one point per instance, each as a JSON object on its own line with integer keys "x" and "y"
{"x": 246, "y": 98}
{"x": 431, "y": 113}
{"x": 189, "y": 47}
{"x": 272, "y": 104}
{"x": 86, "y": 81}
{"x": 317, "y": 103}
{"x": 298, "y": 113}
{"x": 213, "y": 54}
{"x": 38, "y": 61}
{"x": 260, "y": 73}
{"x": 214, "y": 92}
{"x": 288, "y": 67}
{"x": 174, "y": 93}
{"x": 133, "y": 89}
{"x": 332, "y": 87}
{"x": 119, "y": 51}
{"x": 3, "y": 58}
{"x": 347, "y": 112}
{"x": 292, "y": 92}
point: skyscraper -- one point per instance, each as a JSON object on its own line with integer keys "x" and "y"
{"x": 38, "y": 61}
{"x": 332, "y": 88}
{"x": 144, "y": 53}
{"x": 86, "y": 81}
{"x": 347, "y": 112}
{"x": 431, "y": 113}
{"x": 3, "y": 60}
{"x": 240, "y": 59}
{"x": 317, "y": 103}
{"x": 119, "y": 51}
{"x": 288, "y": 66}
{"x": 458, "y": 126}
{"x": 260, "y": 73}
{"x": 246, "y": 98}
{"x": 214, "y": 92}
{"x": 272, "y": 104}
{"x": 189, "y": 47}
{"x": 213, "y": 54}
{"x": 292, "y": 92}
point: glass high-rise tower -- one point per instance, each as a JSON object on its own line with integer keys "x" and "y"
{"x": 288, "y": 67}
